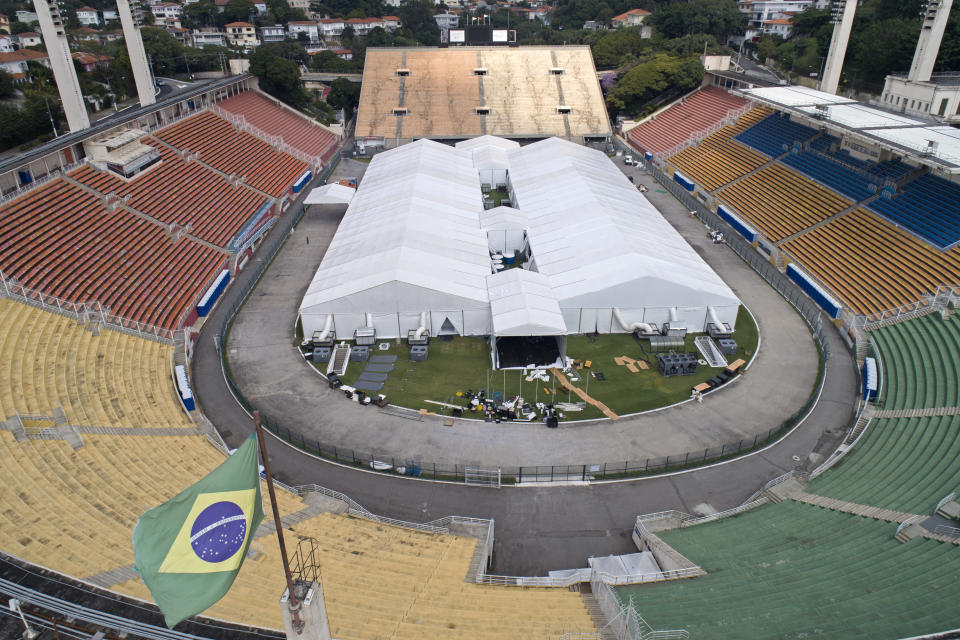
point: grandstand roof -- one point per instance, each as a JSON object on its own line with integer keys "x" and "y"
{"x": 520, "y": 87}
{"x": 903, "y": 134}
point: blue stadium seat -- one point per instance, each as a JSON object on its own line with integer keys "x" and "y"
{"x": 833, "y": 174}
{"x": 928, "y": 207}
{"x": 773, "y": 133}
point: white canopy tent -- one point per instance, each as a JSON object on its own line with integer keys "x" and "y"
{"x": 330, "y": 194}
{"x": 414, "y": 250}
{"x": 490, "y": 157}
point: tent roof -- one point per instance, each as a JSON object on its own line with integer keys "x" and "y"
{"x": 590, "y": 229}
{"x": 502, "y": 218}
{"x": 330, "y": 194}
{"x": 523, "y": 304}
{"x": 483, "y": 142}
{"x": 415, "y": 221}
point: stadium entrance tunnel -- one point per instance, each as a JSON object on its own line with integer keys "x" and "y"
{"x": 513, "y": 352}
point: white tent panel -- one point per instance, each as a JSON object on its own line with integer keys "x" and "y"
{"x": 330, "y": 194}
{"x": 522, "y": 304}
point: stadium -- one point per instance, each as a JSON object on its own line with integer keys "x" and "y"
{"x": 168, "y": 273}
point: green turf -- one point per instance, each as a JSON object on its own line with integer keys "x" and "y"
{"x": 463, "y": 364}
{"x": 793, "y": 570}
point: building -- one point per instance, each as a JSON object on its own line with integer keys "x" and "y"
{"x": 87, "y": 33}
{"x": 109, "y": 14}
{"x": 30, "y": 39}
{"x": 461, "y": 92}
{"x": 308, "y": 27}
{"x": 273, "y": 33}
{"x": 207, "y": 35}
{"x": 180, "y": 34}
{"x": 391, "y": 23}
{"x": 164, "y": 12}
{"x": 88, "y": 16}
{"x": 343, "y": 54}
{"x": 26, "y": 16}
{"x": 447, "y": 20}
{"x": 261, "y": 7}
{"x": 759, "y": 12}
{"x": 331, "y": 27}
{"x": 4, "y": 23}
{"x": 420, "y": 256}
{"x": 631, "y": 18}
{"x": 15, "y": 62}
{"x": 90, "y": 61}
{"x": 304, "y": 5}
{"x": 242, "y": 35}
{"x": 938, "y": 97}
{"x": 781, "y": 27}
{"x": 6, "y": 43}
{"x": 363, "y": 26}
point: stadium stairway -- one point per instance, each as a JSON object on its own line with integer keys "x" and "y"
{"x": 853, "y": 207}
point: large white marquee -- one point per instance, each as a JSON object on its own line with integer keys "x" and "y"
{"x": 414, "y": 249}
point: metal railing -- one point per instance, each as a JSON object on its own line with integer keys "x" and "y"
{"x": 91, "y": 311}
{"x": 947, "y": 531}
{"x": 240, "y": 122}
{"x": 56, "y": 172}
{"x": 625, "y": 622}
{"x": 945, "y": 295}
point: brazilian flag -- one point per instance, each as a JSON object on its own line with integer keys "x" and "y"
{"x": 190, "y": 548}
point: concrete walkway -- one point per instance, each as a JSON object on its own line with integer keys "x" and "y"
{"x": 539, "y": 529}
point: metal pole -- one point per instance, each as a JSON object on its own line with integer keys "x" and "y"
{"x": 292, "y": 602}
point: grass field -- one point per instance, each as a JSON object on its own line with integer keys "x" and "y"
{"x": 463, "y": 364}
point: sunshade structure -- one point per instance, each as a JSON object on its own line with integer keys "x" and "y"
{"x": 415, "y": 250}
{"x": 330, "y": 194}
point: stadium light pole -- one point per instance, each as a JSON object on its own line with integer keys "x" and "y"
{"x": 293, "y": 602}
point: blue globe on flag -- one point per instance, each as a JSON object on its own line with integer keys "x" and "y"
{"x": 218, "y": 532}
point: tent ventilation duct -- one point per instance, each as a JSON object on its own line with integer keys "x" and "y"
{"x": 423, "y": 326}
{"x": 642, "y": 327}
{"x": 327, "y": 325}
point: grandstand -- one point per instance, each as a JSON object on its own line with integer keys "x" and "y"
{"x": 871, "y": 264}
{"x": 307, "y": 136}
{"x": 928, "y": 207}
{"x": 462, "y": 92}
{"x": 797, "y": 570}
{"x": 775, "y": 135}
{"x": 700, "y": 112}
{"x": 111, "y": 380}
{"x": 217, "y": 144}
{"x": 61, "y": 238}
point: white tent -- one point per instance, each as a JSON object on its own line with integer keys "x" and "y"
{"x": 490, "y": 157}
{"x": 414, "y": 249}
{"x": 522, "y": 304}
{"x": 410, "y": 243}
{"x": 603, "y": 246}
{"x": 330, "y": 194}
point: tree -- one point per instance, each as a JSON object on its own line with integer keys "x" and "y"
{"x": 720, "y": 18}
{"x": 345, "y": 95}
{"x": 614, "y": 48}
{"x": 6, "y": 85}
{"x": 655, "y": 80}
{"x": 417, "y": 19}
{"x": 279, "y": 76}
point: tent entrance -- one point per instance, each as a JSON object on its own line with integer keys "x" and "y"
{"x": 521, "y": 351}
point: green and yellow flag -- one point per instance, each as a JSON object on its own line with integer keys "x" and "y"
{"x": 189, "y": 549}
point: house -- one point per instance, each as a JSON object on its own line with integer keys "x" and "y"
{"x": 631, "y": 18}
{"x": 760, "y": 12}
{"x": 221, "y": 5}
{"x": 304, "y": 26}
{"x": 782, "y": 27}
{"x": 207, "y": 35}
{"x": 242, "y": 35}
{"x": 109, "y": 14}
{"x": 273, "y": 33}
{"x": 14, "y": 62}
{"x": 6, "y": 43}
{"x": 90, "y": 61}
{"x": 447, "y": 20}
{"x": 299, "y": 4}
{"x": 363, "y": 26}
{"x": 343, "y": 54}
{"x": 113, "y": 34}
{"x": 26, "y": 16}
{"x": 88, "y": 16}
{"x": 166, "y": 11}
{"x": 4, "y": 23}
{"x": 179, "y": 34}
{"x": 391, "y": 23}
{"x": 88, "y": 34}
{"x": 593, "y": 25}
{"x": 331, "y": 27}
{"x": 392, "y": 3}
{"x": 30, "y": 39}
{"x": 541, "y": 13}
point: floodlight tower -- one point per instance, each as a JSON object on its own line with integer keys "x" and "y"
{"x": 841, "y": 12}
{"x": 935, "y": 15}
{"x": 138, "y": 56}
{"x": 64, "y": 73}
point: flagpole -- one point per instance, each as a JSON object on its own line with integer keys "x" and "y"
{"x": 294, "y": 604}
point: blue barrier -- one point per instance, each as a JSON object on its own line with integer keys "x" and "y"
{"x": 183, "y": 388}
{"x": 869, "y": 378}
{"x": 210, "y": 297}
{"x": 648, "y": 156}
{"x": 252, "y": 224}
{"x": 812, "y": 289}
{"x": 682, "y": 181}
{"x": 739, "y": 225}
{"x": 302, "y": 181}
